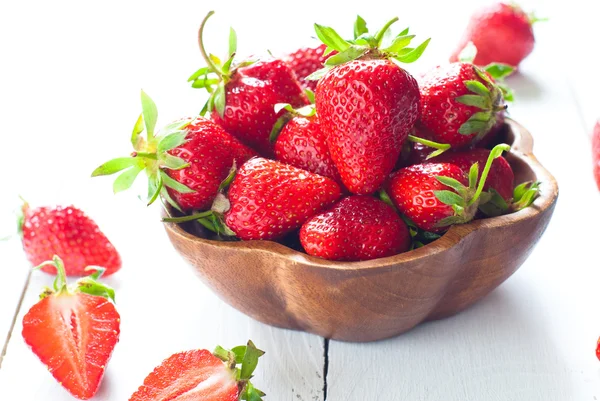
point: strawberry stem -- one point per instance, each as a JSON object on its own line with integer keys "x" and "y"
{"x": 145, "y": 155}
{"x": 381, "y": 33}
{"x": 431, "y": 144}
{"x": 60, "y": 282}
{"x": 495, "y": 153}
{"x": 208, "y": 60}
{"x": 184, "y": 219}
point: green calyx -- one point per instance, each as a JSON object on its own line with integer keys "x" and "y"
{"x": 439, "y": 147}
{"x": 87, "y": 285}
{"x": 290, "y": 112}
{"x": 523, "y": 196}
{"x": 243, "y": 360}
{"x": 464, "y": 200}
{"x": 365, "y": 45}
{"x": 151, "y": 153}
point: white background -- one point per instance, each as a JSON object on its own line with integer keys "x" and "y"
{"x": 70, "y": 75}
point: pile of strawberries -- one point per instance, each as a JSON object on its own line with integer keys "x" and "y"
{"x": 354, "y": 169}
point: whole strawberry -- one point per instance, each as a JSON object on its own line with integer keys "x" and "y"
{"x": 356, "y": 228}
{"x": 461, "y": 103}
{"x": 269, "y": 199}
{"x": 74, "y": 331}
{"x": 596, "y": 153}
{"x": 305, "y": 61}
{"x": 202, "y": 375}
{"x": 69, "y": 232}
{"x": 501, "y": 32}
{"x": 367, "y": 105}
{"x": 302, "y": 143}
{"x": 243, "y": 97}
{"x": 185, "y": 163}
{"x": 437, "y": 195}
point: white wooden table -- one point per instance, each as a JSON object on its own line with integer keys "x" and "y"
{"x": 70, "y": 74}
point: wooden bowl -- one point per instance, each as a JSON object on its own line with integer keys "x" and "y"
{"x": 377, "y": 299}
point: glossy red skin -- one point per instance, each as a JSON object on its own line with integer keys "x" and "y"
{"x": 441, "y": 114}
{"x": 598, "y": 349}
{"x": 250, "y": 98}
{"x": 500, "y": 177}
{"x": 596, "y": 153}
{"x": 68, "y": 232}
{"x": 182, "y": 376}
{"x": 412, "y": 191}
{"x": 269, "y": 199}
{"x": 356, "y": 228}
{"x": 210, "y": 152}
{"x": 302, "y": 143}
{"x": 367, "y": 109}
{"x": 75, "y": 351}
{"x": 305, "y": 61}
{"x": 501, "y": 32}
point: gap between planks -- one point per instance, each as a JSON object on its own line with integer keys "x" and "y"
{"x": 14, "y": 319}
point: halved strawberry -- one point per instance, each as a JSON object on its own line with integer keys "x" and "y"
{"x": 74, "y": 331}
{"x": 200, "y": 375}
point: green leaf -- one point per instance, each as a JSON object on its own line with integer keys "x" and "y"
{"x": 239, "y": 352}
{"x": 306, "y": 111}
{"x": 216, "y": 60}
{"x": 150, "y": 114}
{"x": 448, "y": 197}
{"x": 451, "y": 182}
{"x": 115, "y": 165}
{"x": 232, "y": 42}
{"x": 310, "y": 95}
{"x": 220, "y": 99}
{"x": 154, "y": 188}
{"x": 200, "y": 72}
{"x": 205, "y": 82}
{"x": 475, "y": 101}
{"x": 472, "y": 127}
{"x": 91, "y": 285}
{"x": 136, "y": 140}
{"x": 126, "y": 179}
{"x": 413, "y": 55}
{"x": 499, "y": 71}
{"x": 473, "y": 175}
{"x": 399, "y": 43}
{"x": 174, "y": 162}
{"x": 404, "y": 32}
{"x": 165, "y": 195}
{"x": 468, "y": 53}
{"x": 251, "y": 393}
{"x": 520, "y": 189}
{"x": 328, "y": 51}
{"x": 315, "y": 76}
{"x": 478, "y": 88}
{"x": 278, "y": 126}
{"x": 171, "y": 141}
{"x": 507, "y": 92}
{"x": 177, "y": 186}
{"x": 483, "y": 116}
{"x": 496, "y": 206}
{"x": 227, "y": 65}
{"x": 383, "y": 195}
{"x": 331, "y": 38}
{"x": 281, "y": 106}
{"x": 351, "y": 53}
{"x": 250, "y": 361}
{"x": 230, "y": 176}
{"x": 360, "y": 27}
{"x": 223, "y": 354}
{"x": 449, "y": 221}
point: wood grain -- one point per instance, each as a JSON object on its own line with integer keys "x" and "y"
{"x": 372, "y": 300}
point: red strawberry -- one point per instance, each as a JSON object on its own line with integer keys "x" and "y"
{"x": 68, "y": 232}
{"x": 367, "y": 106}
{"x": 305, "y": 61}
{"x": 598, "y": 349}
{"x": 596, "y": 153}
{"x": 501, "y": 177}
{"x": 74, "y": 332}
{"x": 357, "y": 228}
{"x": 269, "y": 199}
{"x": 243, "y": 98}
{"x": 437, "y": 195}
{"x": 302, "y": 143}
{"x": 460, "y": 103}
{"x": 199, "y": 375}
{"x": 185, "y": 163}
{"x": 501, "y": 32}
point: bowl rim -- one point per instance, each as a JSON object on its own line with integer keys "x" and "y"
{"x": 521, "y": 148}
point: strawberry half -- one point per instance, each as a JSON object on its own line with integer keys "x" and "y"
{"x": 367, "y": 104}
{"x": 185, "y": 163}
{"x": 202, "y": 375}
{"x": 243, "y": 96}
{"x": 74, "y": 331}
{"x": 69, "y": 232}
{"x": 356, "y": 228}
{"x": 596, "y": 153}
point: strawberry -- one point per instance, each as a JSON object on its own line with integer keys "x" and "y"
{"x": 69, "y": 232}
{"x": 596, "y": 153}
{"x": 501, "y": 32}
{"x": 305, "y": 61}
{"x": 74, "y": 331}
{"x": 243, "y": 97}
{"x": 202, "y": 375}
{"x": 598, "y": 349}
{"x": 366, "y": 104}
{"x": 460, "y": 103}
{"x": 302, "y": 143}
{"x": 185, "y": 163}
{"x": 357, "y": 228}
{"x": 437, "y": 195}
{"x": 269, "y": 199}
